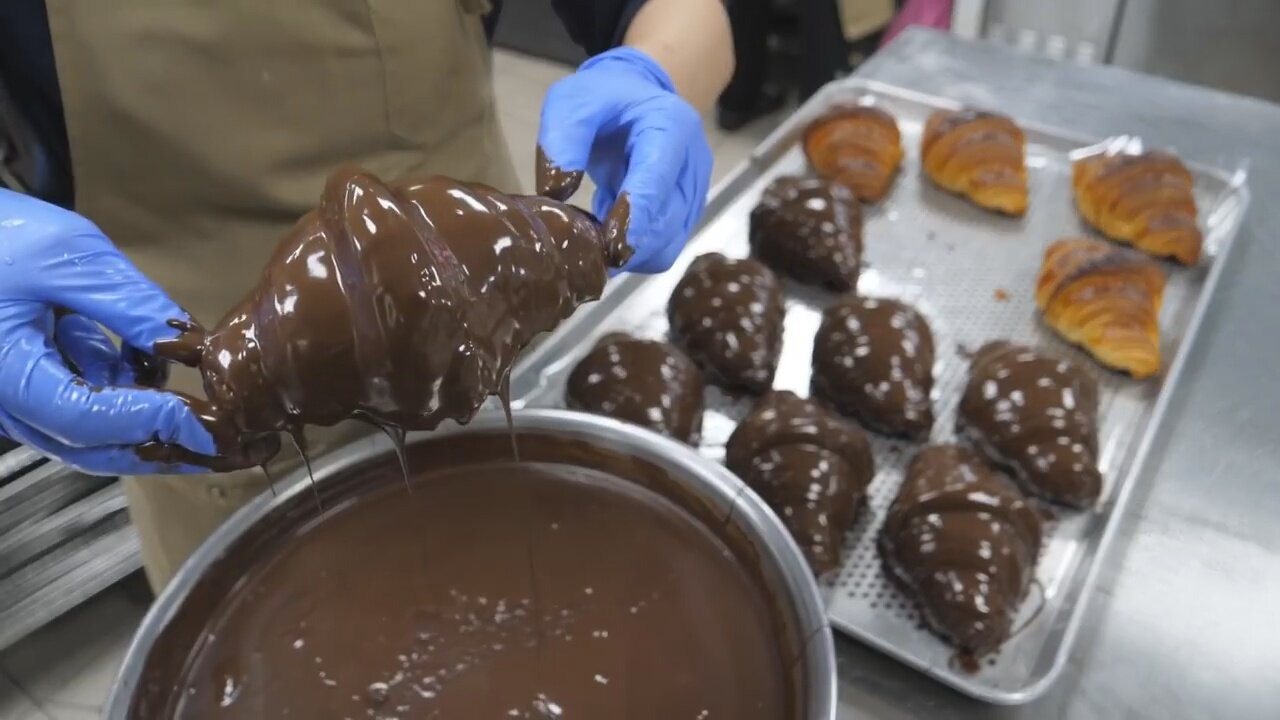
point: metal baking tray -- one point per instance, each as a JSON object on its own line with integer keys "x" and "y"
{"x": 972, "y": 273}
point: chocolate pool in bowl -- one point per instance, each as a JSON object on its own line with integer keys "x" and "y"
{"x": 610, "y": 573}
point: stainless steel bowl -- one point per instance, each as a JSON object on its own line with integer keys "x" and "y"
{"x": 783, "y": 567}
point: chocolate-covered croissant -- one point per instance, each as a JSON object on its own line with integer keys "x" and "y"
{"x": 727, "y": 315}
{"x": 858, "y": 146}
{"x": 873, "y": 360}
{"x": 810, "y": 465}
{"x": 979, "y": 155}
{"x": 1037, "y": 416}
{"x": 1105, "y": 299}
{"x": 1144, "y": 200}
{"x": 963, "y": 541}
{"x": 646, "y": 382}
{"x": 810, "y": 229}
{"x": 402, "y": 303}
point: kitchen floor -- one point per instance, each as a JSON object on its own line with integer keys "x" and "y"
{"x": 64, "y": 671}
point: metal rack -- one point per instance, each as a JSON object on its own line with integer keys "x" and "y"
{"x": 64, "y": 537}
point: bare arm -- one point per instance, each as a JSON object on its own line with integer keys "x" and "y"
{"x": 690, "y": 39}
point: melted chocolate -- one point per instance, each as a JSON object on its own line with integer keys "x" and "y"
{"x": 873, "y": 359}
{"x": 403, "y": 304}
{"x": 810, "y": 229}
{"x": 646, "y": 382}
{"x": 963, "y": 541}
{"x": 579, "y": 584}
{"x": 1037, "y": 416}
{"x": 811, "y": 466}
{"x": 559, "y": 184}
{"x": 553, "y": 181}
{"x": 727, "y": 314}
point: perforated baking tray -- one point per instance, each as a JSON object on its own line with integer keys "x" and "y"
{"x": 972, "y": 273}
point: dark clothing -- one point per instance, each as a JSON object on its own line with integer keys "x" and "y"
{"x": 29, "y": 73}
{"x": 750, "y": 20}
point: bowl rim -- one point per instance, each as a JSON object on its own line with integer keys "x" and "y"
{"x": 700, "y": 473}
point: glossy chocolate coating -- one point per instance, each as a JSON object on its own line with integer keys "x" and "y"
{"x": 810, "y": 229}
{"x": 873, "y": 359}
{"x": 646, "y": 382}
{"x": 1038, "y": 416}
{"x": 578, "y": 583}
{"x": 402, "y": 303}
{"x": 727, "y": 314}
{"x": 963, "y": 541}
{"x": 810, "y": 465}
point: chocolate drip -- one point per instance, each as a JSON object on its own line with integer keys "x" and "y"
{"x": 811, "y": 466}
{"x": 300, "y": 445}
{"x": 404, "y": 303}
{"x": 1037, "y": 416}
{"x": 727, "y": 314}
{"x": 873, "y": 359}
{"x": 271, "y": 482}
{"x": 397, "y": 437}
{"x": 504, "y": 396}
{"x": 811, "y": 229}
{"x": 963, "y": 541}
{"x": 646, "y": 382}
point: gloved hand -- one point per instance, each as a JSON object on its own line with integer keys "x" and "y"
{"x": 619, "y": 119}
{"x": 64, "y": 386}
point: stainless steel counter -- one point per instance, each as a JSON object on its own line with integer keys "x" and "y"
{"x": 1186, "y": 619}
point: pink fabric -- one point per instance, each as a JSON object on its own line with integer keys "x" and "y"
{"x": 929, "y": 13}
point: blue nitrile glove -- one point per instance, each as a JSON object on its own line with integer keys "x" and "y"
{"x": 619, "y": 119}
{"x": 63, "y": 384}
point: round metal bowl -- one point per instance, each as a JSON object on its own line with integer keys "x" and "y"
{"x": 782, "y": 567}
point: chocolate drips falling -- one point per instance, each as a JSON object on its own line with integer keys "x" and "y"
{"x": 403, "y": 304}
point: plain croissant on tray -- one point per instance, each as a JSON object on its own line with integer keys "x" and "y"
{"x": 1106, "y": 299}
{"x": 1144, "y": 200}
{"x": 977, "y": 154}
{"x": 858, "y": 146}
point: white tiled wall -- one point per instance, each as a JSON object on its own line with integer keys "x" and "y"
{"x": 64, "y": 671}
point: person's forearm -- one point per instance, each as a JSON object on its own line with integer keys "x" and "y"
{"x": 690, "y": 39}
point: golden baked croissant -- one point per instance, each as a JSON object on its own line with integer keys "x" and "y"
{"x": 858, "y": 146}
{"x": 1106, "y": 299}
{"x": 979, "y": 155}
{"x": 1144, "y": 200}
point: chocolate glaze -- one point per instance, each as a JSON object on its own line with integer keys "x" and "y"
{"x": 646, "y": 382}
{"x": 873, "y": 359}
{"x": 400, "y": 303}
{"x": 811, "y": 229}
{"x": 727, "y": 314}
{"x": 578, "y": 583}
{"x": 963, "y": 541}
{"x": 811, "y": 466}
{"x": 554, "y": 181}
{"x": 559, "y": 184}
{"x": 1038, "y": 416}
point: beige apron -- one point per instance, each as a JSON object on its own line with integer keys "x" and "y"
{"x": 200, "y": 131}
